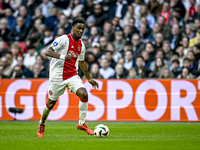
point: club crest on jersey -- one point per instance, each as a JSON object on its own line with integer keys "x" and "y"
{"x": 55, "y": 43}
{"x": 73, "y": 54}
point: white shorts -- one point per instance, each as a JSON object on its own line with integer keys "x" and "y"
{"x": 56, "y": 89}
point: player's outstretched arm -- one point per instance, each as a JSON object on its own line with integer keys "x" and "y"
{"x": 83, "y": 67}
{"x": 51, "y": 53}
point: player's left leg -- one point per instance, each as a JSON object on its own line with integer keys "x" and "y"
{"x": 83, "y": 106}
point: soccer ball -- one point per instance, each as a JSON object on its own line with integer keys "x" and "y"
{"x": 101, "y": 130}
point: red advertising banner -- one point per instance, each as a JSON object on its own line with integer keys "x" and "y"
{"x": 115, "y": 100}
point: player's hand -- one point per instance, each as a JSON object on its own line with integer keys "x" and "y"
{"x": 93, "y": 83}
{"x": 68, "y": 57}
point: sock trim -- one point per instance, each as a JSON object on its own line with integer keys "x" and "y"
{"x": 84, "y": 100}
{"x": 47, "y": 106}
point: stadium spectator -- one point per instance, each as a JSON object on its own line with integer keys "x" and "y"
{"x": 60, "y": 31}
{"x": 165, "y": 73}
{"x": 87, "y": 9}
{"x": 38, "y": 14}
{"x": 175, "y": 37}
{"x": 128, "y": 59}
{"x": 197, "y": 13}
{"x": 178, "y": 4}
{"x": 164, "y": 29}
{"x": 192, "y": 35}
{"x": 131, "y": 24}
{"x": 3, "y": 7}
{"x": 119, "y": 72}
{"x": 175, "y": 67}
{"x": 96, "y": 50}
{"x": 165, "y": 12}
{"x": 74, "y": 9}
{"x": 30, "y": 5}
{"x": 17, "y": 72}
{"x": 15, "y": 4}
{"x": 196, "y": 50}
{"x": 197, "y": 24}
{"x": 25, "y": 71}
{"x": 1, "y": 72}
{"x": 129, "y": 14}
{"x": 167, "y": 49}
{"x": 52, "y": 20}
{"x": 103, "y": 43}
{"x": 11, "y": 19}
{"x": 159, "y": 54}
{"x": 149, "y": 47}
{"x": 137, "y": 45}
{"x": 107, "y": 7}
{"x": 109, "y": 56}
{"x": 108, "y": 32}
{"x": 144, "y": 34}
{"x": 40, "y": 61}
{"x": 48, "y": 37}
{"x": 119, "y": 41}
{"x": 88, "y": 45}
{"x": 132, "y": 74}
{"x": 23, "y": 12}
{"x": 99, "y": 16}
{"x": 46, "y": 7}
{"x": 144, "y": 12}
{"x": 185, "y": 74}
{"x": 106, "y": 71}
{"x": 94, "y": 71}
{"x": 7, "y": 69}
{"x": 36, "y": 74}
{"x": 45, "y": 58}
{"x": 179, "y": 50}
{"x": 15, "y": 51}
{"x": 185, "y": 43}
{"x": 127, "y": 34}
{"x": 19, "y": 32}
{"x": 141, "y": 70}
{"x": 119, "y": 9}
{"x": 116, "y": 54}
{"x": 30, "y": 57}
{"x": 34, "y": 36}
{"x": 63, "y": 23}
{"x": 158, "y": 41}
{"x": 115, "y": 24}
{"x": 155, "y": 30}
{"x": 122, "y": 62}
{"x": 191, "y": 9}
{"x": 94, "y": 35}
{"x": 146, "y": 57}
{"x": 154, "y": 7}
{"x": 4, "y": 31}
{"x": 3, "y": 50}
{"x": 159, "y": 64}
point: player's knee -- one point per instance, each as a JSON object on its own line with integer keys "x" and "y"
{"x": 82, "y": 94}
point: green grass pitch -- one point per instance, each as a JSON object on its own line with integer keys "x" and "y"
{"x": 21, "y": 135}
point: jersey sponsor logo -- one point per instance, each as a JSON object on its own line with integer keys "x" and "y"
{"x": 73, "y": 54}
{"x": 55, "y": 43}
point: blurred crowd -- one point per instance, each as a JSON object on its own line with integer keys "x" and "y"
{"x": 124, "y": 39}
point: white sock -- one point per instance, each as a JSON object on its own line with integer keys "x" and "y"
{"x": 83, "y": 106}
{"x": 45, "y": 114}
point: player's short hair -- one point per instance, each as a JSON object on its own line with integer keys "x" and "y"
{"x": 77, "y": 20}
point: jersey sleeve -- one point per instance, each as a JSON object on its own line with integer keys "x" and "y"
{"x": 58, "y": 43}
{"x": 81, "y": 57}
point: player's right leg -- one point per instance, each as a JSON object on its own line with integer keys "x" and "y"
{"x": 46, "y": 110}
{"x": 54, "y": 91}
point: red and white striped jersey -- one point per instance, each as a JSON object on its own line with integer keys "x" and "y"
{"x": 64, "y": 69}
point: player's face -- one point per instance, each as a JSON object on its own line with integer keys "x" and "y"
{"x": 78, "y": 29}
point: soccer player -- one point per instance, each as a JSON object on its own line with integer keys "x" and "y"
{"x": 67, "y": 52}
